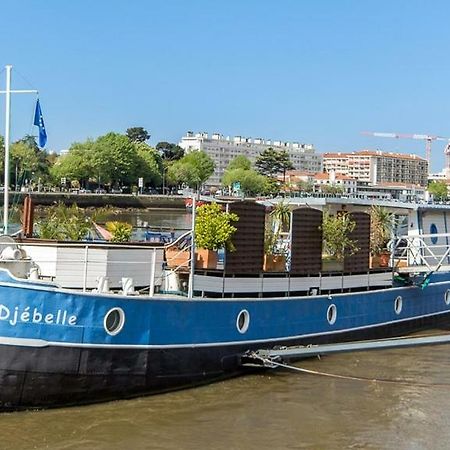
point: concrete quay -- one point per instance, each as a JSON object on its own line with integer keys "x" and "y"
{"x": 99, "y": 200}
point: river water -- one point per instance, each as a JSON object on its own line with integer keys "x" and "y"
{"x": 281, "y": 409}
{"x": 274, "y": 410}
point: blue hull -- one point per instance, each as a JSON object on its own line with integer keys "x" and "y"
{"x": 55, "y": 349}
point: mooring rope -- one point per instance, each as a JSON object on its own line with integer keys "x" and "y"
{"x": 349, "y": 377}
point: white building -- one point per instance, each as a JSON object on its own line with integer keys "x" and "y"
{"x": 376, "y": 167}
{"x": 223, "y": 149}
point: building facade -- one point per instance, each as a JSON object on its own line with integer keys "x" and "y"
{"x": 224, "y": 149}
{"x": 377, "y": 168}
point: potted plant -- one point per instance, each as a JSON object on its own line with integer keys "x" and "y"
{"x": 382, "y": 223}
{"x": 213, "y": 231}
{"x": 274, "y": 252}
{"x": 120, "y": 231}
{"x": 337, "y": 244}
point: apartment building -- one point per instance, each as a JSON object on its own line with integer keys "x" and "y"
{"x": 376, "y": 167}
{"x": 223, "y": 149}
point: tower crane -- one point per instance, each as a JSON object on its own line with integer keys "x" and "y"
{"x": 428, "y": 138}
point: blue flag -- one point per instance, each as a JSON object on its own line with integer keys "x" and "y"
{"x": 39, "y": 122}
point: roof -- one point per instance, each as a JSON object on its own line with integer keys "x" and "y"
{"x": 373, "y": 153}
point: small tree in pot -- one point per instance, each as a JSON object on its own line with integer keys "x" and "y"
{"x": 382, "y": 224}
{"x": 337, "y": 244}
{"x": 274, "y": 253}
{"x": 213, "y": 231}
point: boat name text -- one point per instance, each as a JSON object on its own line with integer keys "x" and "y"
{"x": 27, "y": 315}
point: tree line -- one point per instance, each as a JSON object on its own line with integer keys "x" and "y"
{"x": 117, "y": 160}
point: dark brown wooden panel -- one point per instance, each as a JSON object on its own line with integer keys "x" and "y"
{"x": 248, "y": 239}
{"x": 306, "y": 244}
{"x": 359, "y": 262}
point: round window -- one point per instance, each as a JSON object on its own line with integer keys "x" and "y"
{"x": 447, "y": 297}
{"x": 114, "y": 321}
{"x": 332, "y": 314}
{"x": 433, "y": 230}
{"x": 243, "y": 321}
{"x": 398, "y": 305}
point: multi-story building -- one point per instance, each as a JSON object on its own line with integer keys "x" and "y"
{"x": 376, "y": 167}
{"x": 223, "y": 149}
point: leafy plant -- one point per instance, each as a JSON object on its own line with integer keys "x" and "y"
{"x": 67, "y": 223}
{"x": 278, "y": 222}
{"x": 335, "y": 230}
{"x": 120, "y": 231}
{"x": 213, "y": 227}
{"x": 382, "y": 223}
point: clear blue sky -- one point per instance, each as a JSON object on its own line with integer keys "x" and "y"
{"x": 316, "y": 71}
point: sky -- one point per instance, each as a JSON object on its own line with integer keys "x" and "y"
{"x": 317, "y": 71}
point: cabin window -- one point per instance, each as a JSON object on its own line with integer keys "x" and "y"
{"x": 398, "y": 305}
{"x": 114, "y": 321}
{"x": 243, "y": 321}
{"x": 332, "y": 314}
{"x": 447, "y": 297}
{"x": 433, "y": 230}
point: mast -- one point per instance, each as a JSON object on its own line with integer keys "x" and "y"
{"x": 8, "y": 91}
{"x": 7, "y": 139}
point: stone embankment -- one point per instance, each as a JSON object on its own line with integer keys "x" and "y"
{"x": 100, "y": 200}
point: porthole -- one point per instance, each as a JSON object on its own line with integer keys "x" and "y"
{"x": 114, "y": 321}
{"x": 447, "y": 297}
{"x": 332, "y": 314}
{"x": 398, "y": 305}
{"x": 433, "y": 230}
{"x": 243, "y": 321}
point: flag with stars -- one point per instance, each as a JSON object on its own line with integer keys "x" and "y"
{"x": 39, "y": 122}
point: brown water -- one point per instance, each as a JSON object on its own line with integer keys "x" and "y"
{"x": 275, "y": 410}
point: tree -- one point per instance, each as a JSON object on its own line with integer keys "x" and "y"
{"x": 272, "y": 162}
{"x": 251, "y": 182}
{"x": 137, "y": 134}
{"x": 336, "y": 230}
{"x": 77, "y": 164}
{"x": 239, "y": 162}
{"x": 169, "y": 152}
{"x": 150, "y": 164}
{"x": 439, "y": 190}
{"x": 192, "y": 169}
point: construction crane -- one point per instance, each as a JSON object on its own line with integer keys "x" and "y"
{"x": 428, "y": 138}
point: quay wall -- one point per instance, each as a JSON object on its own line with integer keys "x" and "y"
{"x": 99, "y": 200}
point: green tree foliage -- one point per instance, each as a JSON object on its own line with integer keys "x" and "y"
{"x": 77, "y": 164}
{"x": 252, "y": 183}
{"x": 110, "y": 159}
{"x": 239, "y": 162}
{"x": 438, "y": 189}
{"x": 192, "y": 169}
{"x": 169, "y": 152}
{"x": 137, "y": 134}
{"x": 272, "y": 162}
{"x": 331, "y": 189}
{"x": 382, "y": 224}
{"x": 305, "y": 186}
{"x": 213, "y": 227}
{"x": 336, "y": 230}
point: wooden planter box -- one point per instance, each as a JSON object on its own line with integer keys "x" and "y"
{"x": 332, "y": 265}
{"x": 206, "y": 259}
{"x": 274, "y": 263}
{"x": 381, "y": 260}
{"x": 177, "y": 258}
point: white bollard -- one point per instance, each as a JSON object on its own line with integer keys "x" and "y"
{"x": 127, "y": 285}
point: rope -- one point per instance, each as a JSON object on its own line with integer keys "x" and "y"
{"x": 348, "y": 377}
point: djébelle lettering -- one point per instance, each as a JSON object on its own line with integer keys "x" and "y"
{"x": 35, "y": 315}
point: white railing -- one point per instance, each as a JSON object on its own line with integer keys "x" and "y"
{"x": 430, "y": 251}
